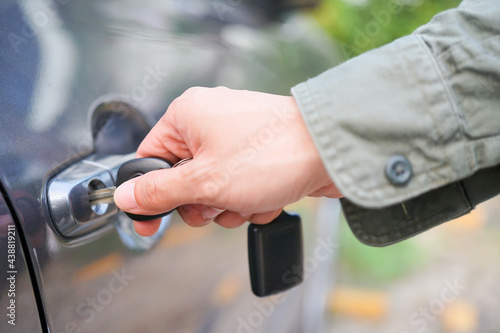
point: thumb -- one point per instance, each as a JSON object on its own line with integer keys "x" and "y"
{"x": 155, "y": 192}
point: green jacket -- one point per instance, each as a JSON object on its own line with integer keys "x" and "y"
{"x": 410, "y": 132}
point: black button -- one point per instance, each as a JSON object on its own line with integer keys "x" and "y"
{"x": 398, "y": 170}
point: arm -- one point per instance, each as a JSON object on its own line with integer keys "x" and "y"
{"x": 403, "y": 130}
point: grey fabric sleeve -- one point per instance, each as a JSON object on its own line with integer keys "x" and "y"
{"x": 432, "y": 98}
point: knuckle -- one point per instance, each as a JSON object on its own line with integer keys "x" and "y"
{"x": 230, "y": 220}
{"x": 191, "y": 92}
{"x": 176, "y": 104}
{"x": 193, "y": 177}
{"x": 206, "y": 187}
{"x": 183, "y": 103}
{"x": 221, "y": 89}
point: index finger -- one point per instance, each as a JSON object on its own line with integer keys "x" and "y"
{"x": 164, "y": 141}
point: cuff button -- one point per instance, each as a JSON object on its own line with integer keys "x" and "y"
{"x": 398, "y": 170}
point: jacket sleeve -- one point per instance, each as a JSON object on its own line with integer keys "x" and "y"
{"x": 410, "y": 132}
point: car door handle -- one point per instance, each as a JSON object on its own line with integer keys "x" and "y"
{"x": 67, "y": 194}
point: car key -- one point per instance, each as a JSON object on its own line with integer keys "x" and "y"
{"x": 128, "y": 170}
{"x": 275, "y": 249}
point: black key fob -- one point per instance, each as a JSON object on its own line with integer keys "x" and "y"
{"x": 136, "y": 168}
{"x": 275, "y": 255}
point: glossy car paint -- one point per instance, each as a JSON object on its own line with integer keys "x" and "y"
{"x": 18, "y": 299}
{"x": 61, "y": 61}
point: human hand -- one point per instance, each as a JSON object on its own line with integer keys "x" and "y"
{"x": 252, "y": 155}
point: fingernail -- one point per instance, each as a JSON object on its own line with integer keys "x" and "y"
{"x": 210, "y": 212}
{"x": 206, "y": 222}
{"x": 125, "y": 197}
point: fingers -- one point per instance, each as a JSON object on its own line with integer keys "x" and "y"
{"x": 175, "y": 137}
{"x": 165, "y": 137}
{"x": 264, "y": 218}
{"x": 159, "y": 191}
{"x": 196, "y": 216}
{"x": 193, "y": 215}
{"x": 230, "y": 219}
{"x": 163, "y": 140}
{"x": 147, "y": 228}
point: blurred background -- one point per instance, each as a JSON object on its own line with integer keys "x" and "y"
{"x": 444, "y": 280}
{"x": 361, "y": 25}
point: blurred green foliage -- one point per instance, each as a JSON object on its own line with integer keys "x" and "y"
{"x": 361, "y": 25}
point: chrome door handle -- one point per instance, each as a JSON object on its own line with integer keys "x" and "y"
{"x": 67, "y": 194}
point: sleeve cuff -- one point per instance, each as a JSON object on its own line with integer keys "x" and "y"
{"x": 390, "y": 102}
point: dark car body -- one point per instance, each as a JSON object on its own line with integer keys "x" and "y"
{"x": 84, "y": 80}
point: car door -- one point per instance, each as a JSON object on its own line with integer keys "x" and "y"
{"x": 81, "y": 84}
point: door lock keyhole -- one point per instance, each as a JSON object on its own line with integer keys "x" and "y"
{"x": 96, "y": 184}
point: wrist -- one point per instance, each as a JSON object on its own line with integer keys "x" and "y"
{"x": 320, "y": 182}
